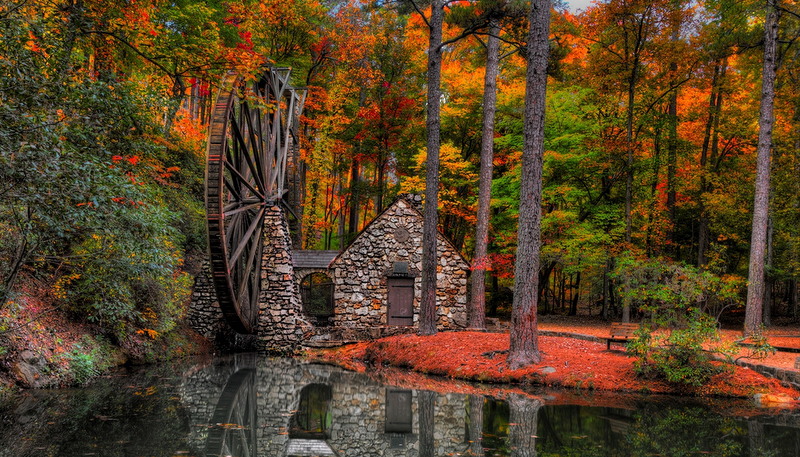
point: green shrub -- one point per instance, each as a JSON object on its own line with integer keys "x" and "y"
{"x": 87, "y": 359}
{"x": 681, "y": 355}
{"x": 678, "y": 338}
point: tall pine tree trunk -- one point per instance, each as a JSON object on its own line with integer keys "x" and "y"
{"x": 480, "y": 261}
{"x": 427, "y": 420}
{"x": 524, "y": 347}
{"x": 758, "y": 241}
{"x": 427, "y": 315}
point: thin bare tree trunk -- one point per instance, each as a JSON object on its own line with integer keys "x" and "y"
{"x": 480, "y": 260}
{"x": 427, "y": 314}
{"x": 710, "y": 140}
{"x": 524, "y": 347}
{"x": 758, "y": 241}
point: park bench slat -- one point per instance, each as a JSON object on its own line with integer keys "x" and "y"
{"x": 621, "y": 332}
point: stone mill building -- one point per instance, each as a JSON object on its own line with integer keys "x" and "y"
{"x": 370, "y": 289}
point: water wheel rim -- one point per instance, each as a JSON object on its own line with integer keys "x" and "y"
{"x": 236, "y": 203}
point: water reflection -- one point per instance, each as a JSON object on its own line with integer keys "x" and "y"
{"x": 234, "y": 421}
{"x": 248, "y": 406}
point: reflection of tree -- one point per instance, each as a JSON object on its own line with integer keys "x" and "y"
{"x": 684, "y": 431}
{"x": 234, "y": 421}
{"x": 427, "y": 404}
{"x": 475, "y": 429}
{"x": 522, "y": 426}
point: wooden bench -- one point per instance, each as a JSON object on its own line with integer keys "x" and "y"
{"x": 621, "y": 333}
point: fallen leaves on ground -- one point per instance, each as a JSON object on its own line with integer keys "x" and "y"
{"x": 566, "y": 362}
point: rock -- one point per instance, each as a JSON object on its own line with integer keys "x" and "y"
{"x": 29, "y": 375}
{"x": 773, "y": 400}
{"x": 547, "y": 370}
{"x": 29, "y": 357}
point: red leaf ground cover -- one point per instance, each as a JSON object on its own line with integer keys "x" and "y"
{"x": 566, "y": 362}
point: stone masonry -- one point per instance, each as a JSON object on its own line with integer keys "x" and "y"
{"x": 360, "y": 272}
{"x": 281, "y": 324}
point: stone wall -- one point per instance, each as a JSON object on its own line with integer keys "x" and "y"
{"x": 205, "y": 316}
{"x": 281, "y": 324}
{"x": 361, "y": 271}
{"x": 281, "y": 321}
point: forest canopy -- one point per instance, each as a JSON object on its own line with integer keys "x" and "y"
{"x": 651, "y": 129}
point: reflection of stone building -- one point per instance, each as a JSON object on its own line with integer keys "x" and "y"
{"x": 346, "y": 414}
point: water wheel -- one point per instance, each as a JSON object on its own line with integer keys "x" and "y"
{"x": 251, "y": 133}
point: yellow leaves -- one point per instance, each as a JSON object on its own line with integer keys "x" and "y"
{"x": 152, "y": 390}
{"x": 62, "y": 284}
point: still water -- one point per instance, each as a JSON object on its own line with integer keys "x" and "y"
{"x": 249, "y": 406}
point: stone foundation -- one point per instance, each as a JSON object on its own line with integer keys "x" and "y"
{"x": 280, "y": 324}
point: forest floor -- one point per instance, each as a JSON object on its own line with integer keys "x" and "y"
{"x": 567, "y": 361}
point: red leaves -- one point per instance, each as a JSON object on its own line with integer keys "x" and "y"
{"x": 133, "y": 160}
{"x": 578, "y": 363}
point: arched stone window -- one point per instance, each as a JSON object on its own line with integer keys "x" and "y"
{"x": 316, "y": 291}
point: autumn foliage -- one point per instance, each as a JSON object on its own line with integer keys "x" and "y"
{"x": 566, "y": 362}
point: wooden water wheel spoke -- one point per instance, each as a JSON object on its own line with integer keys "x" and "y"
{"x": 254, "y": 171}
{"x": 239, "y": 178}
{"x": 245, "y": 238}
{"x": 255, "y": 164}
{"x": 246, "y": 171}
{"x": 239, "y": 206}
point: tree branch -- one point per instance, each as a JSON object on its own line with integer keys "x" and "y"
{"x": 151, "y": 60}
{"x": 419, "y": 11}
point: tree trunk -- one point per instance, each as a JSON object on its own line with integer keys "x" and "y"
{"x": 355, "y": 199}
{"x": 524, "y": 347}
{"x": 576, "y": 295}
{"x": 672, "y": 165}
{"x": 427, "y": 315}
{"x": 480, "y": 260}
{"x": 758, "y": 241}
{"x": 769, "y": 280}
{"x": 710, "y": 140}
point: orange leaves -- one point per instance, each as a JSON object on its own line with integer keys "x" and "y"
{"x": 32, "y": 45}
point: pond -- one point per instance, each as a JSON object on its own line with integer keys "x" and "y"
{"x": 249, "y": 406}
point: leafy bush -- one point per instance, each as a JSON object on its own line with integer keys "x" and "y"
{"x": 678, "y": 338}
{"x": 679, "y": 355}
{"x": 88, "y": 359}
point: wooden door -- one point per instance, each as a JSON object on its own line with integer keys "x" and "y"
{"x": 400, "y": 301}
